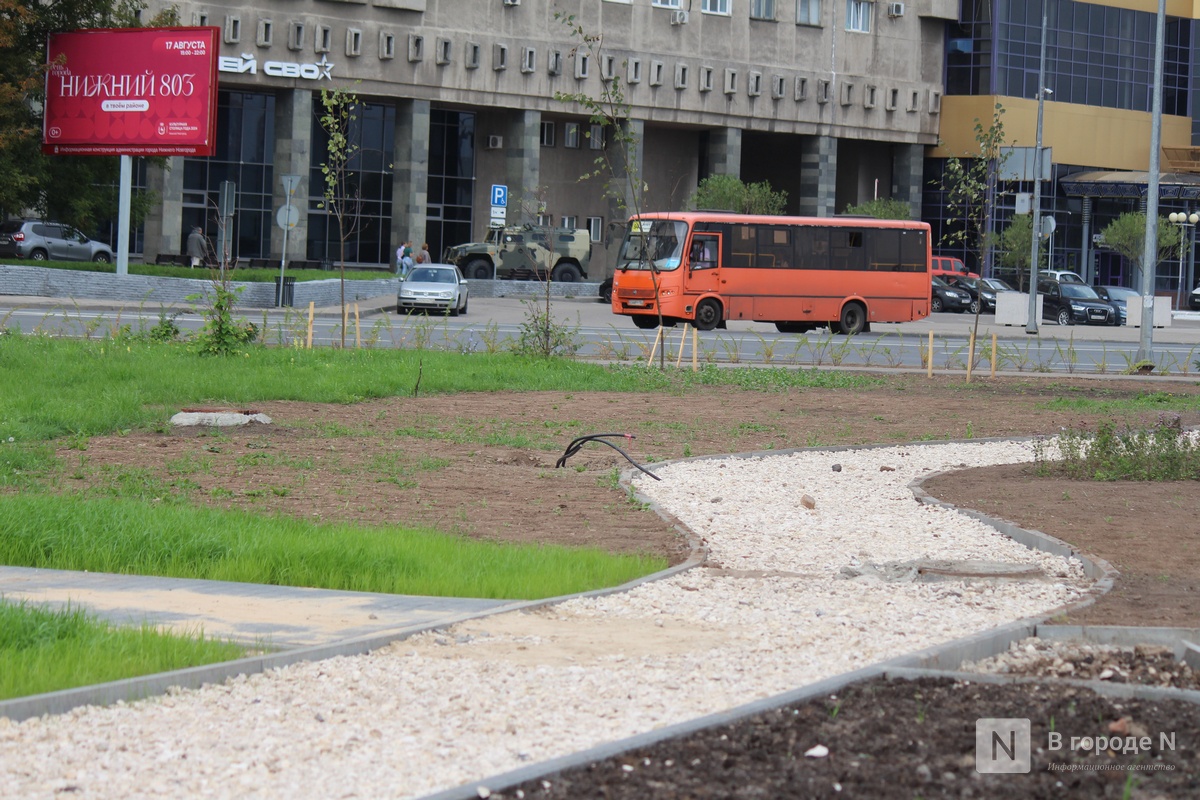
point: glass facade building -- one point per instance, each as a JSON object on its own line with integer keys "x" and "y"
{"x": 1098, "y": 56}
{"x": 1095, "y": 55}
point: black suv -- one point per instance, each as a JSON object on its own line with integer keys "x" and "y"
{"x": 945, "y": 297}
{"x": 49, "y": 241}
{"x": 1069, "y": 303}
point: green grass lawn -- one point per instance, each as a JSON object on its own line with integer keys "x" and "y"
{"x": 44, "y": 650}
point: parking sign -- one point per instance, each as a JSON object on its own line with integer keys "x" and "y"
{"x": 499, "y": 194}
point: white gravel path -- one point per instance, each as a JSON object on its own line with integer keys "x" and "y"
{"x": 492, "y": 695}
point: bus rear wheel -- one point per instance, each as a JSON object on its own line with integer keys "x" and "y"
{"x": 708, "y": 314}
{"x": 854, "y": 319}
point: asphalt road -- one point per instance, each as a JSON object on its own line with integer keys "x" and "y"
{"x": 492, "y": 321}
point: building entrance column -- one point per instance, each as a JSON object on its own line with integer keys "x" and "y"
{"x": 523, "y": 166}
{"x": 410, "y": 174}
{"x": 908, "y": 169}
{"x": 164, "y": 222}
{"x": 293, "y": 156}
{"x": 724, "y": 154}
{"x": 818, "y": 176}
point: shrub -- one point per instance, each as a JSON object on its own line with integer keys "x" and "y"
{"x": 1164, "y": 452}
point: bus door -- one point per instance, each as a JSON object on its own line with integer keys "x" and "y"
{"x": 704, "y": 263}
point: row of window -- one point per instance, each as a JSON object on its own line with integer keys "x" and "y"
{"x": 812, "y": 247}
{"x": 573, "y": 135}
{"x": 595, "y": 225}
{"x": 808, "y": 12}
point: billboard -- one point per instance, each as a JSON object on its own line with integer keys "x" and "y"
{"x": 131, "y": 91}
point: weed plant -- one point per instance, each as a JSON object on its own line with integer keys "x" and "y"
{"x": 1145, "y": 401}
{"x": 542, "y": 336}
{"x": 47, "y": 650}
{"x": 1163, "y": 452}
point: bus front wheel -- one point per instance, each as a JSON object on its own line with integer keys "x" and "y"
{"x": 645, "y": 321}
{"x": 708, "y": 314}
{"x": 854, "y": 319}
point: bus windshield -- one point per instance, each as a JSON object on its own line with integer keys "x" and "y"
{"x": 657, "y": 241}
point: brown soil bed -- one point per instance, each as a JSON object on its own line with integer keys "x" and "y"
{"x": 902, "y": 739}
{"x": 484, "y": 466}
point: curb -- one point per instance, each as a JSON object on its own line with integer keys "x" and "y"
{"x": 937, "y": 661}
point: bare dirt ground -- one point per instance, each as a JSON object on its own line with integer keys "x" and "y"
{"x": 484, "y": 466}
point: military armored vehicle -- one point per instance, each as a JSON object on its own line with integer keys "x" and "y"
{"x": 525, "y": 252}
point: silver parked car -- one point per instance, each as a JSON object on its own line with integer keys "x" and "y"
{"x": 433, "y": 287}
{"x": 50, "y": 241}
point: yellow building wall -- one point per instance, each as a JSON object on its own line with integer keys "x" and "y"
{"x": 1175, "y": 8}
{"x": 1104, "y": 138}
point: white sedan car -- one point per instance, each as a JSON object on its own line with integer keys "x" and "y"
{"x": 433, "y": 287}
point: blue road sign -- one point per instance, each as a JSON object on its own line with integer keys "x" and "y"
{"x": 499, "y": 194}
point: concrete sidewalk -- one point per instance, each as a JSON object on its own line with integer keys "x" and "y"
{"x": 372, "y": 305}
{"x": 272, "y": 617}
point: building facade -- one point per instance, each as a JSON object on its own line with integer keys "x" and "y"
{"x": 834, "y": 102}
{"x": 1099, "y": 76}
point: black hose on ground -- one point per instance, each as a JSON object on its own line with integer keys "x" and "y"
{"x": 579, "y": 442}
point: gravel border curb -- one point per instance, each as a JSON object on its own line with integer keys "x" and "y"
{"x": 923, "y": 662}
{"x": 1127, "y": 691}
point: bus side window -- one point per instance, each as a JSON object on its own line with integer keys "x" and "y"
{"x": 847, "y": 250}
{"x": 775, "y": 247}
{"x": 811, "y": 248}
{"x": 883, "y": 249}
{"x": 743, "y": 246}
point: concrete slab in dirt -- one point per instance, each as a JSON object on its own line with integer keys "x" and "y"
{"x": 219, "y": 418}
{"x": 277, "y": 617}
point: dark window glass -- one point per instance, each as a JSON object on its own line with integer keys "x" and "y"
{"x": 451, "y": 178}
{"x": 914, "y": 251}
{"x": 812, "y": 248}
{"x": 743, "y": 246}
{"x": 846, "y": 249}
{"x": 775, "y": 248}
{"x": 369, "y": 175}
{"x": 245, "y": 152}
{"x": 1081, "y": 39}
{"x": 883, "y": 250}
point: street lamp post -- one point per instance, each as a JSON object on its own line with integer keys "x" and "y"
{"x": 287, "y": 219}
{"x": 1150, "y": 249}
{"x": 1031, "y": 321}
{"x": 1187, "y": 230}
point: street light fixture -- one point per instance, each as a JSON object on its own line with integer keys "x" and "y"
{"x": 1187, "y": 233}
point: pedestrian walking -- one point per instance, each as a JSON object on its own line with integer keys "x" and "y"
{"x": 197, "y": 247}
{"x": 423, "y": 256}
{"x": 406, "y": 260}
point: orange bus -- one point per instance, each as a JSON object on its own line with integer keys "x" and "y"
{"x": 799, "y": 273}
